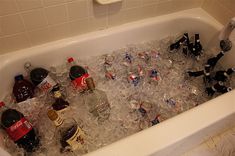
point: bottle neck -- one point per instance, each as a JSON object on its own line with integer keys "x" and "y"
{"x": 58, "y": 121}
{"x": 72, "y": 63}
{"x": 57, "y": 94}
{"x": 230, "y": 71}
{"x": 28, "y": 67}
{"x": 197, "y": 40}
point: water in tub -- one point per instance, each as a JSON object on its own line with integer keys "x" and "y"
{"x": 145, "y": 84}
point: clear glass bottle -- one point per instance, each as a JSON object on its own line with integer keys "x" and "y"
{"x": 68, "y": 132}
{"x": 97, "y": 101}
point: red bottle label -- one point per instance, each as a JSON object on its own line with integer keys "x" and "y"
{"x": 47, "y": 84}
{"x": 80, "y": 82}
{"x": 19, "y": 129}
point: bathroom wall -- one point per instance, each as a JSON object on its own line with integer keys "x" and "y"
{"x": 222, "y": 10}
{"x": 26, "y": 23}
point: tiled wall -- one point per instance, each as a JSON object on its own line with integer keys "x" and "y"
{"x": 222, "y": 10}
{"x": 25, "y": 23}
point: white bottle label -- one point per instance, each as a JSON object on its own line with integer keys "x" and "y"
{"x": 77, "y": 140}
{"x": 47, "y": 84}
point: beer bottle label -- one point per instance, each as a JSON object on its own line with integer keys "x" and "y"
{"x": 19, "y": 129}
{"x": 58, "y": 121}
{"x": 80, "y": 83}
{"x": 77, "y": 140}
{"x": 47, "y": 84}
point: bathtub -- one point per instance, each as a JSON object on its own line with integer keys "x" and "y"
{"x": 171, "y": 137}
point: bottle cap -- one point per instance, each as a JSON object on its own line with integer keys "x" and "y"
{"x": 2, "y": 103}
{"x": 56, "y": 88}
{"x": 70, "y": 60}
{"x": 52, "y": 115}
{"x": 27, "y": 65}
{"x": 19, "y": 77}
{"x": 90, "y": 83}
{"x": 229, "y": 89}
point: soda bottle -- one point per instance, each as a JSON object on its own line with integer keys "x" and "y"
{"x": 40, "y": 77}
{"x": 68, "y": 132}
{"x": 22, "y": 89}
{"x": 77, "y": 74}
{"x": 60, "y": 104}
{"x": 97, "y": 101}
{"x": 19, "y": 129}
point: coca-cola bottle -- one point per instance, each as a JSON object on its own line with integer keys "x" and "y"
{"x": 68, "y": 132}
{"x": 22, "y": 89}
{"x": 97, "y": 101}
{"x": 40, "y": 77}
{"x": 19, "y": 129}
{"x": 60, "y": 104}
{"x": 77, "y": 74}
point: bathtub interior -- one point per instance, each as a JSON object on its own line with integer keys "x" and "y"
{"x": 102, "y": 42}
{"x": 105, "y": 41}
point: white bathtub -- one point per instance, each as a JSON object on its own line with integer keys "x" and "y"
{"x": 172, "y": 137}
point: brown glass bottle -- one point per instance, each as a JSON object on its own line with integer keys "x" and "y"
{"x": 69, "y": 134}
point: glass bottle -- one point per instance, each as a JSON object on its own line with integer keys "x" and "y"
{"x": 97, "y": 101}
{"x": 205, "y": 72}
{"x": 68, "y": 132}
{"x": 218, "y": 87}
{"x": 213, "y": 61}
{"x": 19, "y": 129}
{"x": 60, "y": 104}
{"x": 223, "y": 75}
{"x": 22, "y": 89}
{"x": 77, "y": 74}
{"x": 198, "y": 46}
{"x": 178, "y": 43}
{"x": 40, "y": 77}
